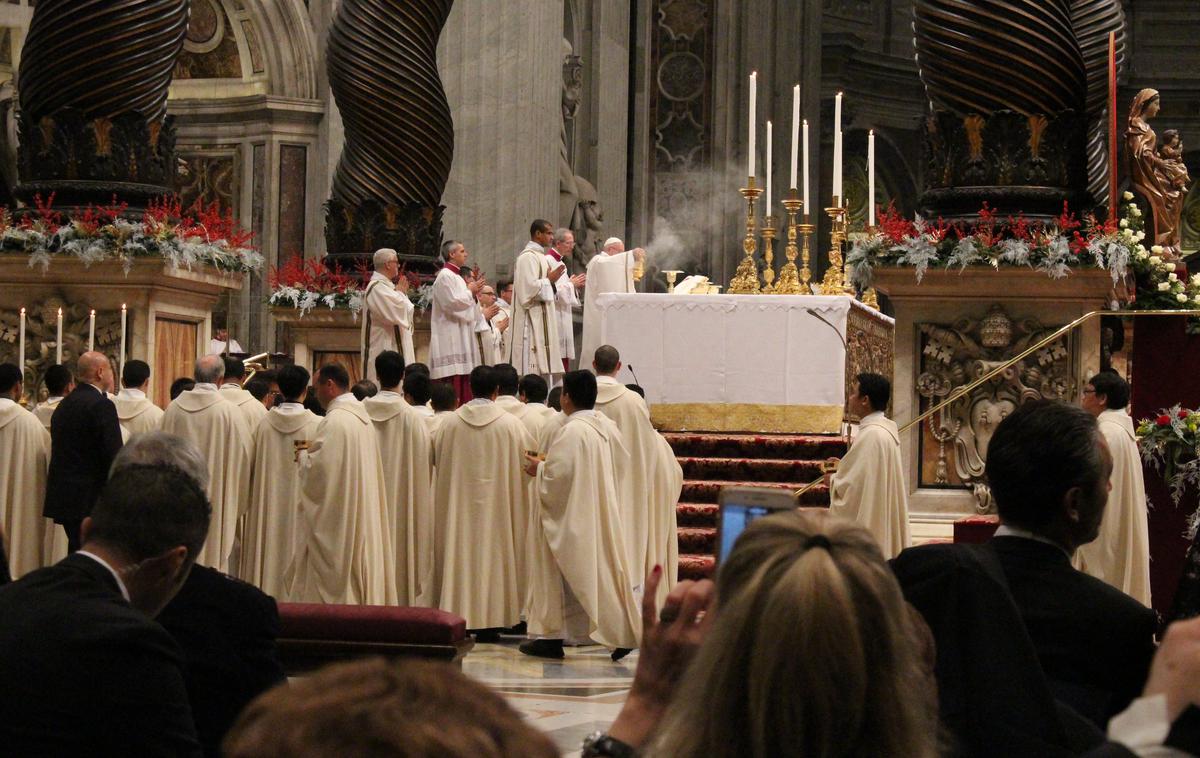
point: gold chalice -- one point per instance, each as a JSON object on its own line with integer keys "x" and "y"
{"x": 671, "y": 275}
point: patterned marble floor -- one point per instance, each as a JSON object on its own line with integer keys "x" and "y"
{"x": 567, "y": 699}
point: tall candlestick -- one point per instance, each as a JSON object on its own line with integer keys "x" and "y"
{"x": 58, "y": 343}
{"x": 121, "y": 360}
{"x": 753, "y": 109}
{"x": 871, "y": 177}
{"x": 92, "y": 331}
{"x": 767, "y": 211}
{"x": 807, "y": 206}
{"x": 795, "y": 133}
{"x": 21, "y": 347}
{"x": 1112, "y": 127}
{"x": 837, "y": 149}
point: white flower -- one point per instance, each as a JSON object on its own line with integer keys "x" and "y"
{"x": 1196, "y": 280}
{"x": 1155, "y": 260}
{"x": 1127, "y": 196}
{"x": 1140, "y": 235}
{"x": 1164, "y": 286}
{"x": 1157, "y": 249}
{"x": 1172, "y": 277}
{"x": 1127, "y": 235}
{"x": 1141, "y": 253}
{"x": 1197, "y": 299}
{"x": 1124, "y": 223}
{"x": 1168, "y": 266}
{"x": 1135, "y": 211}
{"x": 1181, "y": 297}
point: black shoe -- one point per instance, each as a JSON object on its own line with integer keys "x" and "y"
{"x": 487, "y": 635}
{"x": 621, "y": 652}
{"x": 519, "y": 630}
{"x": 543, "y": 648}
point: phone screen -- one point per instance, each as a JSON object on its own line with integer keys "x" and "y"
{"x": 735, "y": 518}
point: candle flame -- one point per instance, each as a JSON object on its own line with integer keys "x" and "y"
{"x": 60, "y": 311}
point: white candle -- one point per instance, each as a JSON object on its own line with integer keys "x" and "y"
{"x": 795, "y": 132}
{"x": 767, "y": 210}
{"x": 21, "y": 347}
{"x": 58, "y": 343}
{"x": 837, "y": 148}
{"x": 807, "y": 207}
{"x": 92, "y": 331}
{"x": 753, "y": 108}
{"x": 121, "y": 359}
{"x": 871, "y": 176}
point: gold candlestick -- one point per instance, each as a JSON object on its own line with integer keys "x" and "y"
{"x": 768, "y": 235}
{"x": 789, "y": 278}
{"x": 745, "y": 279}
{"x": 834, "y": 282}
{"x": 806, "y": 231}
{"x": 869, "y": 297}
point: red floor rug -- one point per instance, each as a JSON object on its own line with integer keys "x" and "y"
{"x": 713, "y": 461}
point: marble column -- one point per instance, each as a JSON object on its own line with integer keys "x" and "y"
{"x": 501, "y": 65}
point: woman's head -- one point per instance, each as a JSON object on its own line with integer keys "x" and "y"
{"x": 813, "y": 652}
{"x": 1145, "y": 104}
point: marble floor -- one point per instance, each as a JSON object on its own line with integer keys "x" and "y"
{"x": 567, "y": 699}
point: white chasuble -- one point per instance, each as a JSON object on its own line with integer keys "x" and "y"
{"x": 581, "y": 540}
{"x": 345, "y": 556}
{"x": 387, "y": 323}
{"x": 453, "y": 348}
{"x": 406, "y": 450}
{"x": 272, "y": 531}
{"x": 24, "y": 458}
{"x": 219, "y": 429}
{"x": 605, "y": 273}
{"x": 1120, "y": 555}
{"x": 251, "y": 407}
{"x": 136, "y": 413}
{"x": 43, "y": 412}
{"x": 533, "y": 341}
{"x": 650, "y": 485}
{"x": 481, "y": 504}
{"x": 869, "y": 486}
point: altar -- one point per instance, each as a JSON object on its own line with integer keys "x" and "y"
{"x": 745, "y": 363}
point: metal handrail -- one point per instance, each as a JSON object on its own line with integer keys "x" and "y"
{"x": 970, "y": 387}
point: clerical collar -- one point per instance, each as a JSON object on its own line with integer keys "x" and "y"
{"x": 120, "y": 583}
{"x": 872, "y": 415}
{"x": 389, "y": 393}
{"x": 583, "y": 413}
{"x": 204, "y": 387}
{"x": 554, "y": 254}
{"x": 453, "y": 268}
{"x": 606, "y": 379}
{"x": 1006, "y": 530}
{"x": 131, "y": 394}
{"x": 231, "y": 384}
{"x": 479, "y": 401}
{"x": 535, "y": 246}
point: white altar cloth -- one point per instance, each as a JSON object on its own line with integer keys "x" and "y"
{"x": 734, "y": 362}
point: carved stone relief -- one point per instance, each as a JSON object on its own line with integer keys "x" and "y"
{"x": 41, "y": 337}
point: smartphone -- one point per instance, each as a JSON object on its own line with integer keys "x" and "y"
{"x": 739, "y": 506}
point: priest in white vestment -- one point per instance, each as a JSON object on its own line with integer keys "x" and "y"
{"x": 272, "y": 531}
{"x": 345, "y": 556}
{"x": 231, "y": 389}
{"x": 387, "y": 312}
{"x": 869, "y": 486}
{"x": 566, "y": 295}
{"x": 59, "y": 383}
{"x": 1120, "y": 555}
{"x": 653, "y": 481}
{"x": 134, "y": 410}
{"x": 533, "y": 346}
{"x": 480, "y": 505}
{"x": 491, "y": 338}
{"x": 610, "y": 271}
{"x": 222, "y": 433}
{"x": 582, "y": 585}
{"x": 220, "y": 341}
{"x": 453, "y": 320}
{"x": 408, "y": 490}
{"x": 24, "y": 458}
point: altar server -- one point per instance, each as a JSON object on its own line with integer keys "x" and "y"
{"x": 869, "y": 485}
{"x": 220, "y": 341}
{"x": 491, "y": 340}
{"x": 272, "y": 531}
{"x": 220, "y": 430}
{"x": 231, "y": 389}
{"x": 611, "y": 271}
{"x": 24, "y": 457}
{"x": 582, "y": 586}
{"x": 387, "y": 312}
{"x": 652, "y": 482}
{"x": 480, "y": 505}
{"x": 533, "y": 346}
{"x": 134, "y": 410}
{"x": 404, "y": 443}
{"x": 566, "y": 296}
{"x": 344, "y": 556}
{"x": 1120, "y": 555}
{"x": 59, "y": 383}
{"x": 453, "y": 349}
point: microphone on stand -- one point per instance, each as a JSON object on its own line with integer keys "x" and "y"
{"x": 635, "y": 379}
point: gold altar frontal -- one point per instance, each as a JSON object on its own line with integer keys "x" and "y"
{"x": 748, "y": 417}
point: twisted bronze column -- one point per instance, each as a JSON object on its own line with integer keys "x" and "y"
{"x": 388, "y": 186}
{"x": 93, "y": 90}
{"x": 1093, "y": 20}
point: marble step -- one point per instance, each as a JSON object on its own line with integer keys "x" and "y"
{"x": 757, "y": 446}
{"x": 798, "y": 472}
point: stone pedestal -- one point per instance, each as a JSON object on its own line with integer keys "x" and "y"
{"x": 169, "y": 313}
{"x": 954, "y": 327}
{"x": 325, "y": 336}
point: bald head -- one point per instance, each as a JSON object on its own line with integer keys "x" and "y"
{"x": 210, "y": 369}
{"x": 93, "y": 368}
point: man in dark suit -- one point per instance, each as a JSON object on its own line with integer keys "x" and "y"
{"x": 84, "y": 669}
{"x": 85, "y": 435}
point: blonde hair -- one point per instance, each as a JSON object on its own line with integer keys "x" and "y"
{"x": 812, "y": 653}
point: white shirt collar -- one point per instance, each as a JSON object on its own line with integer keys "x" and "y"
{"x": 99, "y": 389}
{"x": 389, "y": 394}
{"x": 873, "y": 415}
{"x": 204, "y": 387}
{"x": 531, "y": 245}
{"x": 120, "y": 583}
{"x": 1006, "y": 530}
{"x": 231, "y": 384}
{"x": 345, "y": 397}
{"x": 289, "y": 409}
{"x": 606, "y": 379}
{"x": 131, "y": 394}
{"x": 582, "y": 414}
{"x": 480, "y": 401}
{"x": 423, "y": 410}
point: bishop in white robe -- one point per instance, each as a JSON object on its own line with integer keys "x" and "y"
{"x": 480, "y": 507}
{"x": 24, "y": 458}
{"x": 610, "y": 271}
{"x": 580, "y": 563}
{"x": 220, "y": 430}
{"x": 345, "y": 556}
{"x": 533, "y": 346}
{"x": 869, "y": 486}
{"x": 387, "y": 312}
{"x": 454, "y": 318}
{"x": 272, "y": 531}
{"x": 1120, "y": 554}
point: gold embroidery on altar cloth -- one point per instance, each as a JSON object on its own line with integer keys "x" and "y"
{"x": 747, "y": 417}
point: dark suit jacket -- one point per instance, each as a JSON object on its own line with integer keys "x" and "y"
{"x": 227, "y": 631}
{"x": 85, "y": 436}
{"x": 83, "y": 673}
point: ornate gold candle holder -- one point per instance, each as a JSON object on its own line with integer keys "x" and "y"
{"x": 789, "y": 277}
{"x": 806, "y": 231}
{"x": 768, "y": 235}
{"x": 671, "y": 275}
{"x": 869, "y": 296}
{"x": 834, "y": 282}
{"x": 745, "y": 279}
